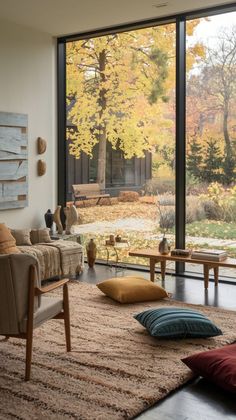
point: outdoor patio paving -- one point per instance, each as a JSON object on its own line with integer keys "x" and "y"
{"x": 146, "y": 225}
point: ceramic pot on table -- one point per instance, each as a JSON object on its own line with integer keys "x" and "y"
{"x": 91, "y": 249}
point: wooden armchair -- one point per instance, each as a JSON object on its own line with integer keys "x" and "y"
{"x": 24, "y": 305}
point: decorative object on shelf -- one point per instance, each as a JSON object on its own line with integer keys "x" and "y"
{"x": 91, "y": 249}
{"x": 71, "y": 218}
{"x": 164, "y": 247}
{"x": 112, "y": 239}
{"x": 180, "y": 253}
{"x": 116, "y": 243}
{"x": 57, "y": 219}
{"x": 48, "y": 217}
{"x": 41, "y": 145}
{"x": 210, "y": 255}
{"x": 118, "y": 238}
{"x": 73, "y": 237}
{"x": 42, "y": 167}
{"x": 13, "y": 160}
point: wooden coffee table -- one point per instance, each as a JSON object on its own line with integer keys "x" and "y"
{"x": 155, "y": 257}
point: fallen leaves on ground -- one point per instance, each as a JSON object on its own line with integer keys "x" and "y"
{"x": 117, "y": 211}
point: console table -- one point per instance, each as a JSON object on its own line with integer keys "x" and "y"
{"x": 75, "y": 237}
{"x": 116, "y": 247}
{"x": 155, "y": 257}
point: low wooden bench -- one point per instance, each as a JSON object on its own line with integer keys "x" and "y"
{"x": 83, "y": 192}
{"x": 155, "y": 257}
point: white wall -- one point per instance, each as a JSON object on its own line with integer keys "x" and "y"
{"x": 27, "y": 85}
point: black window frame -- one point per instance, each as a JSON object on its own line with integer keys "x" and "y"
{"x": 180, "y": 171}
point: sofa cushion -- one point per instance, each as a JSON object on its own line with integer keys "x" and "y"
{"x": 218, "y": 365}
{"x": 40, "y": 236}
{"x": 7, "y": 241}
{"x": 22, "y": 236}
{"x": 131, "y": 289}
{"x": 170, "y": 322}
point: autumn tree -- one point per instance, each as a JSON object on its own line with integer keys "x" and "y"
{"x": 116, "y": 86}
{"x": 219, "y": 87}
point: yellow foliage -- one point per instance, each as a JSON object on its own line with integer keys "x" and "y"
{"x": 109, "y": 83}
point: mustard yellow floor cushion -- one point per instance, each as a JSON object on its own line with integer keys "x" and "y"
{"x": 131, "y": 289}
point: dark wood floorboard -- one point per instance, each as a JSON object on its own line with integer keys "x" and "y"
{"x": 199, "y": 400}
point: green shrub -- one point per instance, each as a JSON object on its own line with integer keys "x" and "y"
{"x": 228, "y": 204}
{"x": 157, "y": 186}
{"x": 213, "y": 210}
{"x": 167, "y": 218}
{"x": 166, "y": 200}
{"x": 194, "y": 210}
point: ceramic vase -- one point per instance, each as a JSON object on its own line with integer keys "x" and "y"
{"x": 48, "y": 217}
{"x": 71, "y": 218}
{"x": 164, "y": 247}
{"x": 57, "y": 219}
{"x": 91, "y": 253}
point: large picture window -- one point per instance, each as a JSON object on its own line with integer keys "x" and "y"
{"x": 149, "y": 116}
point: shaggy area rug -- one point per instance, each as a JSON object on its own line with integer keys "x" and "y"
{"x": 115, "y": 371}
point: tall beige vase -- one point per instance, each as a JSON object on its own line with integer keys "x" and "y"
{"x": 91, "y": 253}
{"x": 57, "y": 219}
{"x": 71, "y": 218}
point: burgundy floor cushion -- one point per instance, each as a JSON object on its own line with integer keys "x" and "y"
{"x": 219, "y": 366}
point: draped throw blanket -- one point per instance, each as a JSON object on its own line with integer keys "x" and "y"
{"x": 57, "y": 258}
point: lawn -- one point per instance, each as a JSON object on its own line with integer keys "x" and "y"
{"x": 212, "y": 229}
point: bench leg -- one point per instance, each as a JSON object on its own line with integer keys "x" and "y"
{"x": 163, "y": 270}
{"x": 216, "y": 275}
{"x": 152, "y": 269}
{"x": 206, "y": 276}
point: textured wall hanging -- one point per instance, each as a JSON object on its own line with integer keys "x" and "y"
{"x": 13, "y": 160}
{"x": 41, "y": 145}
{"x": 42, "y": 167}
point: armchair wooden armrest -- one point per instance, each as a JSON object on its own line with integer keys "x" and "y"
{"x": 41, "y": 290}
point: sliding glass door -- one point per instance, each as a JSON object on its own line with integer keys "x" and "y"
{"x": 211, "y": 135}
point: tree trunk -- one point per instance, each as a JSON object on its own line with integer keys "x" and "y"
{"x": 101, "y": 173}
{"x": 225, "y": 130}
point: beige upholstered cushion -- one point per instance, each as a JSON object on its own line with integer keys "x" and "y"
{"x": 22, "y": 236}
{"x": 131, "y": 289}
{"x": 14, "y": 290}
{"x": 7, "y": 241}
{"x": 49, "y": 307}
{"x": 40, "y": 235}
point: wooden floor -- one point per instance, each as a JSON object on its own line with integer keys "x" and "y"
{"x": 199, "y": 400}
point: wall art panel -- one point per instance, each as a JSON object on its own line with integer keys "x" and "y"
{"x": 13, "y": 160}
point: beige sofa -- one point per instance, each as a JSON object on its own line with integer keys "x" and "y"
{"x": 57, "y": 258}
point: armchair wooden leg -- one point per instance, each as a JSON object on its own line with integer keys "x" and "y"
{"x": 30, "y": 323}
{"x": 66, "y": 317}
{"x": 29, "y": 345}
